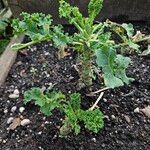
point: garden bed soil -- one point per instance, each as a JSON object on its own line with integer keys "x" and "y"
{"x": 38, "y": 66}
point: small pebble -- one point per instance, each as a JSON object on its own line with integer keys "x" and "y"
{"x": 94, "y": 139}
{"x": 4, "y": 141}
{"x": 137, "y": 110}
{"x": 13, "y": 109}
{"x": 39, "y": 133}
{"x": 13, "y": 96}
{"x": 21, "y": 109}
{"x": 5, "y": 111}
{"x": 25, "y": 122}
{"x": 113, "y": 117}
{"x": 10, "y": 120}
{"x": 105, "y": 100}
{"x": 16, "y": 92}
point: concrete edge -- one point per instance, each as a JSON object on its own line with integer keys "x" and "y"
{"x": 8, "y": 58}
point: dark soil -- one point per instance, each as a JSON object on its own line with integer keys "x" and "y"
{"x": 38, "y": 66}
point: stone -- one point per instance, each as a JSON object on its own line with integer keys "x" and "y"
{"x": 136, "y": 110}
{"x": 13, "y": 109}
{"x": 10, "y": 120}
{"x": 25, "y": 122}
{"x": 21, "y": 109}
{"x": 16, "y": 92}
{"x": 13, "y": 96}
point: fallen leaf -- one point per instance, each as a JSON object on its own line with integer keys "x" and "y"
{"x": 16, "y": 122}
{"x": 62, "y": 53}
{"x": 138, "y": 36}
{"x": 146, "y": 111}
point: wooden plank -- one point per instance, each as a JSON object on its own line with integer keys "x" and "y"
{"x": 8, "y": 58}
{"x": 121, "y": 10}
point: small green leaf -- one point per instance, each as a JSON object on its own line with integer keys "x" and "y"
{"x": 94, "y": 8}
{"x": 93, "y": 120}
{"x": 36, "y": 95}
{"x": 47, "y": 102}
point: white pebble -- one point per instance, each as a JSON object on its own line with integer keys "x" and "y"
{"x": 137, "y": 110}
{"x": 21, "y": 109}
{"x": 113, "y": 117}
{"x": 16, "y": 92}
{"x": 10, "y": 120}
{"x": 13, "y": 96}
{"x": 4, "y": 141}
{"x": 94, "y": 139}
{"x": 5, "y": 111}
{"x": 25, "y": 122}
{"x": 39, "y": 133}
{"x": 13, "y": 109}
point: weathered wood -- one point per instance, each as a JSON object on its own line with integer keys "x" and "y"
{"x": 121, "y": 10}
{"x": 7, "y": 59}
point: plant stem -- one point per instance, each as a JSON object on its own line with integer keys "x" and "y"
{"x": 101, "y": 90}
{"x": 86, "y": 66}
{"x": 28, "y": 44}
{"x": 95, "y": 104}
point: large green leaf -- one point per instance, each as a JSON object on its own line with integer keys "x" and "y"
{"x": 113, "y": 66}
{"x": 105, "y": 59}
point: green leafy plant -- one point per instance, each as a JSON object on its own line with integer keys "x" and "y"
{"x": 47, "y": 102}
{"x": 92, "y": 119}
{"x": 97, "y": 40}
{"x": 38, "y": 27}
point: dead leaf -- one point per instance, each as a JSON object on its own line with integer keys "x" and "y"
{"x": 62, "y": 53}
{"x": 146, "y": 111}
{"x": 16, "y": 122}
{"x": 138, "y": 36}
{"x": 24, "y": 52}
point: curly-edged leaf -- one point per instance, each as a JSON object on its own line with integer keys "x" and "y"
{"x": 36, "y": 25}
{"x": 75, "y": 101}
{"x": 71, "y": 13}
{"x": 60, "y": 38}
{"x": 106, "y": 59}
{"x": 65, "y": 9}
{"x": 94, "y": 8}
{"x": 36, "y": 95}
{"x": 47, "y": 102}
{"x": 93, "y": 120}
{"x": 71, "y": 119}
{"x": 129, "y": 29}
{"x": 121, "y": 65}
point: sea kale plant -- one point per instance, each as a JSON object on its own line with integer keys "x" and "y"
{"x": 96, "y": 40}
{"x": 71, "y": 108}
